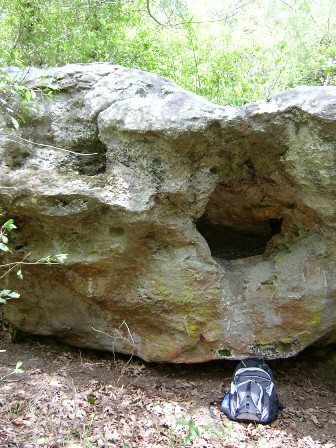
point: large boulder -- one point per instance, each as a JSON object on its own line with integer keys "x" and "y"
{"x": 194, "y": 231}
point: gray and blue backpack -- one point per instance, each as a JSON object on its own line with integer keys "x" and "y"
{"x": 252, "y": 397}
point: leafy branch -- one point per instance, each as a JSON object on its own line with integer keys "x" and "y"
{"x": 5, "y": 230}
{"x": 167, "y": 24}
{"x": 17, "y": 103}
{"x": 16, "y": 100}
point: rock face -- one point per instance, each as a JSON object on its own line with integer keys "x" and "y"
{"x": 194, "y": 231}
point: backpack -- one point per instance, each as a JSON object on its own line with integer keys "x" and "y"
{"x": 252, "y": 397}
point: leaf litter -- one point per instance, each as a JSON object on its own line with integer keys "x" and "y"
{"x": 83, "y": 399}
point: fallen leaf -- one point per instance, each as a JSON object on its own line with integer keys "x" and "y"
{"x": 314, "y": 419}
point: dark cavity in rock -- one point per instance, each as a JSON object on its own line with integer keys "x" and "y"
{"x": 89, "y": 165}
{"x": 229, "y": 243}
{"x": 233, "y": 229}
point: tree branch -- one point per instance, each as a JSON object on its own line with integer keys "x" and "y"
{"x": 230, "y": 14}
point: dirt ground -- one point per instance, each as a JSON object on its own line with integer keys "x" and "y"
{"x": 74, "y": 398}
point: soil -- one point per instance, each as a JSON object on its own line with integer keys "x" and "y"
{"x": 67, "y": 397}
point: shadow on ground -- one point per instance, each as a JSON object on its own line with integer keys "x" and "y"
{"x": 68, "y": 397}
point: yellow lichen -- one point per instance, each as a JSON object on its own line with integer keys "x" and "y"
{"x": 316, "y": 319}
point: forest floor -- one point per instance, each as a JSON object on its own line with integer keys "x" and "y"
{"x": 74, "y": 398}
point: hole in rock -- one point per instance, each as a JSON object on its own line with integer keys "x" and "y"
{"x": 230, "y": 243}
{"x": 90, "y": 165}
{"x": 15, "y": 156}
{"x": 241, "y": 219}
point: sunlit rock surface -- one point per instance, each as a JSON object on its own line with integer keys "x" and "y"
{"x": 194, "y": 231}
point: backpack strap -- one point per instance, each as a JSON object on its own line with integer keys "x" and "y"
{"x": 261, "y": 372}
{"x": 212, "y": 405}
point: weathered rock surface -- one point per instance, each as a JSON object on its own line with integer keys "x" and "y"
{"x": 194, "y": 231}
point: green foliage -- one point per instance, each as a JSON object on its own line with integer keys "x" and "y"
{"x": 5, "y": 230}
{"x": 91, "y": 399}
{"x": 192, "y": 430}
{"x": 231, "y": 52}
{"x": 17, "y": 370}
{"x": 6, "y": 294}
{"x": 16, "y": 104}
{"x": 18, "y": 367}
{"x": 16, "y": 100}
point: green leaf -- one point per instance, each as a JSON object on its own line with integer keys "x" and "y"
{"x": 193, "y": 431}
{"x": 9, "y": 294}
{"x": 4, "y": 239}
{"x": 60, "y": 258}
{"x": 182, "y": 422}
{"x": 91, "y": 399}
{"x": 4, "y": 292}
{"x": 19, "y": 273}
{"x": 27, "y": 95}
{"x": 18, "y": 368}
{"x": 13, "y": 295}
{"x": 4, "y": 247}
{"x": 9, "y": 225}
{"x": 187, "y": 439}
{"x": 3, "y": 300}
{"x": 15, "y": 122}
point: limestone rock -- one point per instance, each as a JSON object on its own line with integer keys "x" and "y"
{"x": 194, "y": 231}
